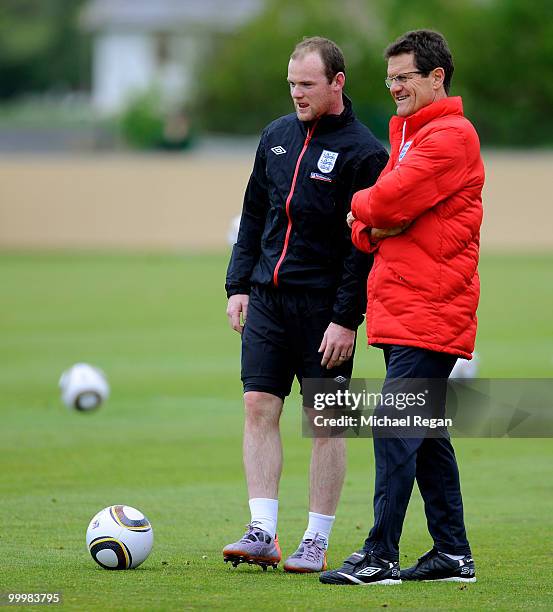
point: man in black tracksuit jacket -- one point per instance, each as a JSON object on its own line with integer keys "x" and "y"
{"x": 300, "y": 283}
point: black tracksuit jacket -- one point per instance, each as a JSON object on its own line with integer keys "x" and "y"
{"x": 293, "y": 231}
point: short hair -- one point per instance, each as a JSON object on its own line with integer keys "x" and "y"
{"x": 429, "y": 49}
{"x": 329, "y": 52}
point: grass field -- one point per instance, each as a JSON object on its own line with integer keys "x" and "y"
{"x": 168, "y": 442}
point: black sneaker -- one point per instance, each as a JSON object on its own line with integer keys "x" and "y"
{"x": 437, "y": 566}
{"x": 363, "y": 568}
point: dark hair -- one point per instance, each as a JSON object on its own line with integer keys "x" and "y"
{"x": 329, "y": 52}
{"x": 430, "y": 50}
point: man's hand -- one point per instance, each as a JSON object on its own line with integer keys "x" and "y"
{"x": 379, "y": 234}
{"x": 237, "y": 311}
{"x": 337, "y": 345}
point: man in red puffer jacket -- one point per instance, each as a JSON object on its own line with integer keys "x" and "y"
{"x": 422, "y": 221}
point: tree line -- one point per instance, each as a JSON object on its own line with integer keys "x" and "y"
{"x": 503, "y": 52}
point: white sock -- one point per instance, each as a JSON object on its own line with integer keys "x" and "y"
{"x": 264, "y": 512}
{"x": 319, "y": 524}
{"x": 454, "y": 557}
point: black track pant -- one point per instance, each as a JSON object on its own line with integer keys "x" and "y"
{"x": 429, "y": 461}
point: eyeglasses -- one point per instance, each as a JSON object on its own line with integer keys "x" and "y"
{"x": 401, "y": 79}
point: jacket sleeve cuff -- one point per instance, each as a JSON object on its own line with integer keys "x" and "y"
{"x": 348, "y": 322}
{"x": 237, "y": 290}
{"x": 361, "y": 237}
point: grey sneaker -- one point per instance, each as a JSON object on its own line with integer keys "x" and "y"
{"x": 310, "y": 557}
{"x": 255, "y": 547}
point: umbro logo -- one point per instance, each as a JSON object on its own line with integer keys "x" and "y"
{"x": 278, "y": 150}
{"x": 368, "y": 571}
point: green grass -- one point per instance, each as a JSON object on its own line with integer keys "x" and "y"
{"x": 168, "y": 442}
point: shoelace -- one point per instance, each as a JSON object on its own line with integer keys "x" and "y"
{"x": 311, "y": 550}
{"x": 427, "y": 555}
{"x": 359, "y": 557}
{"x": 251, "y": 527}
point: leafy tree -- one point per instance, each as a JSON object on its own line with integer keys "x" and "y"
{"x": 41, "y": 47}
{"x": 503, "y": 53}
{"x": 245, "y": 83}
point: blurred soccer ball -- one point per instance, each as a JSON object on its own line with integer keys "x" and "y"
{"x": 83, "y": 387}
{"x": 465, "y": 368}
{"x": 119, "y": 537}
{"x": 232, "y": 234}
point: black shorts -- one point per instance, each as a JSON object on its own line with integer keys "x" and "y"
{"x": 281, "y": 339}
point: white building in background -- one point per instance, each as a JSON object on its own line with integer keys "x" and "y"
{"x": 139, "y": 44}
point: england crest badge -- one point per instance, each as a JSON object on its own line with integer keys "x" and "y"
{"x": 404, "y": 149}
{"x": 326, "y": 161}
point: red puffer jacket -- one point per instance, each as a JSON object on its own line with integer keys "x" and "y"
{"x": 423, "y": 288}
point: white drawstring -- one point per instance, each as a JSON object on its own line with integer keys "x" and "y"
{"x": 403, "y": 135}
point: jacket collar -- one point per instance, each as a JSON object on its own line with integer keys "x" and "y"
{"x": 330, "y": 123}
{"x": 413, "y": 123}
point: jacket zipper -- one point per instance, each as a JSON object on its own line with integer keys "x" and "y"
{"x": 288, "y": 200}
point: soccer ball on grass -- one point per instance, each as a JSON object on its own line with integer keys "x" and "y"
{"x": 119, "y": 537}
{"x": 83, "y": 387}
{"x": 465, "y": 369}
